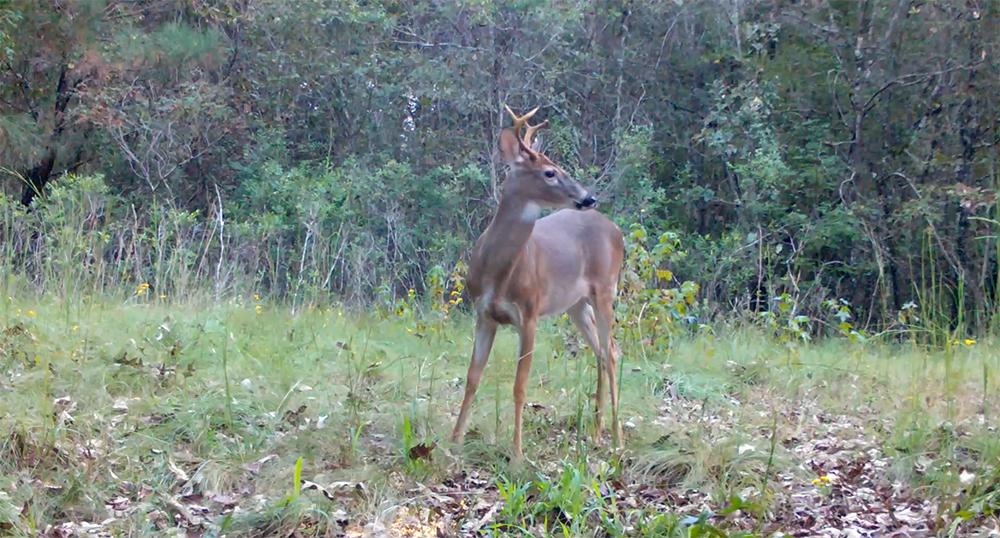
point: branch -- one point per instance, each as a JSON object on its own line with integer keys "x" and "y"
{"x": 956, "y": 265}
{"x": 25, "y": 88}
{"x": 910, "y": 80}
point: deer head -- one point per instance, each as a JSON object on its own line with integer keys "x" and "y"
{"x": 533, "y": 176}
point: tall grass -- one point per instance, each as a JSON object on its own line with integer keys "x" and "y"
{"x": 81, "y": 240}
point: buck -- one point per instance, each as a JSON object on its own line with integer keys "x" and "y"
{"x": 524, "y": 268}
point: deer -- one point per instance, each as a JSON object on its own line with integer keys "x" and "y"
{"x": 525, "y": 267}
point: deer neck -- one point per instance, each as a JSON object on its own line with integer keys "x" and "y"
{"x": 504, "y": 239}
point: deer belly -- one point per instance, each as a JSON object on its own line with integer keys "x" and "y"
{"x": 561, "y": 298}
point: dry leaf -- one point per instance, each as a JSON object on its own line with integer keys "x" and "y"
{"x": 421, "y": 451}
{"x": 966, "y": 478}
{"x": 336, "y": 488}
{"x": 63, "y": 408}
{"x": 120, "y": 406}
{"x": 225, "y": 500}
{"x": 294, "y": 417}
{"x": 179, "y": 473}
{"x": 255, "y": 466}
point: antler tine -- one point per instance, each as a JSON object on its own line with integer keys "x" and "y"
{"x": 520, "y": 121}
{"x": 529, "y": 132}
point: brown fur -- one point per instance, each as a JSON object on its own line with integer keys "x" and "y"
{"x": 523, "y": 269}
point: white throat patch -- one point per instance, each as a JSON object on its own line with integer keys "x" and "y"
{"x": 531, "y": 212}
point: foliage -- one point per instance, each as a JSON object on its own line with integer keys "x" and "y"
{"x": 654, "y": 307}
{"x": 819, "y": 151}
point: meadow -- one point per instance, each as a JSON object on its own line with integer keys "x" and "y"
{"x": 142, "y": 414}
{"x": 234, "y": 238}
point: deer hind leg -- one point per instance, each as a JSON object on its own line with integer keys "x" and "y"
{"x": 582, "y": 315}
{"x": 485, "y": 332}
{"x": 605, "y": 316}
{"x": 527, "y": 332}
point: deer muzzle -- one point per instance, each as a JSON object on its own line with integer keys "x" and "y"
{"x": 588, "y": 202}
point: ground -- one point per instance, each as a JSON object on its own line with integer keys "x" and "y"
{"x": 146, "y": 417}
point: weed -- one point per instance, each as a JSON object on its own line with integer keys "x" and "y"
{"x": 157, "y": 404}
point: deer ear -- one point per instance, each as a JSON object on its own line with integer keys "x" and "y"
{"x": 511, "y": 149}
{"x": 536, "y": 145}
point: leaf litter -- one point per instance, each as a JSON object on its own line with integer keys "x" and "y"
{"x": 835, "y": 478}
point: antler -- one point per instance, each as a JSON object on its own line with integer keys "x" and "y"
{"x": 522, "y": 121}
{"x": 529, "y": 133}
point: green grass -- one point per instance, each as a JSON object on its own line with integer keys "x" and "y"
{"x": 164, "y": 415}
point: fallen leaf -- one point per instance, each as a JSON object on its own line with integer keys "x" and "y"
{"x": 159, "y": 519}
{"x": 184, "y": 512}
{"x": 225, "y": 500}
{"x": 966, "y": 478}
{"x": 421, "y": 451}
{"x": 255, "y": 466}
{"x": 179, "y": 473}
{"x": 483, "y": 521}
{"x": 908, "y": 516}
{"x": 118, "y": 506}
{"x": 294, "y": 417}
{"x": 120, "y": 406}
{"x": 64, "y": 407}
{"x": 332, "y": 491}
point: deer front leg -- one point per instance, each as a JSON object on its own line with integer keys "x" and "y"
{"x": 527, "y": 332}
{"x": 485, "y": 331}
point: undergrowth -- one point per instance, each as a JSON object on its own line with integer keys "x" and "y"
{"x": 248, "y": 417}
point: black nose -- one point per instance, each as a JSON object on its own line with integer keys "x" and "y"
{"x": 589, "y": 201}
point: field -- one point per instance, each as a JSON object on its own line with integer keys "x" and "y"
{"x": 147, "y": 416}
{"x": 238, "y": 251}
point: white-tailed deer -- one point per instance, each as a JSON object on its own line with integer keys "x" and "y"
{"x": 524, "y": 267}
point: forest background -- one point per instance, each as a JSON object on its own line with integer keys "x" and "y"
{"x": 802, "y": 157}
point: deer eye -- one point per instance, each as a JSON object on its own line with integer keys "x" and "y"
{"x": 550, "y": 173}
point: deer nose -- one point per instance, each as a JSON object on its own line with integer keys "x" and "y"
{"x": 588, "y": 201}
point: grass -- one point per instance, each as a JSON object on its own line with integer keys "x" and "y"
{"x": 243, "y": 418}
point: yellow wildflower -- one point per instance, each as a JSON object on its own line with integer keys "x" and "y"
{"x": 969, "y": 342}
{"x": 32, "y": 313}
{"x": 141, "y": 289}
{"x": 258, "y": 309}
{"x": 256, "y": 297}
{"x": 823, "y": 480}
